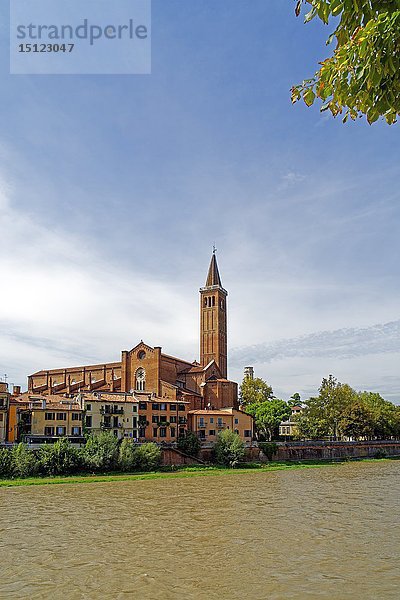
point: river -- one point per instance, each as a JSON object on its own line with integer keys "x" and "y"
{"x": 329, "y": 532}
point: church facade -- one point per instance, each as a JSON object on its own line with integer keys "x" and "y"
{"x": 147, "y": 370}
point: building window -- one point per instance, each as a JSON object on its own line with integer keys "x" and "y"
{"x": 213, "y": 300}
{"x": 247, "y": 433}
{"x": 173, "y": 431}
{"x": 211, "y": 432}
{"x": 155, "y": 432}
{"x": 205, "y": 301}
{"x": 201, "y": 422}
{"x": 142, "y": 432}
{"x": 155, "y": 406}
{"x": 141, "y": 355}
{"x": 219, "y": 422}
{"x": 134, "y": 408}
{"x": 236, "y": 421}
{"x": 172, "y": 407}
{"x": 49, "y": 431}
{"x": 134, "y": 422}
{"x": 211, "y": 419}
{"x": 202, "y": 435}
{"x": 163, "y": 432}
{"x": 88, "y": 407}
{"x": 172, "y": 419}
{"x": 49, "y": 416}
{"x": 76, "y": 431}
{"x": 88, "y": 420}
{"x": 61, "y": 430}
{"x": 61, "y": 416}
{"x": 155, "y": 419}
{"x": 237, "y": 431}
{"x": 181, "y": 407}
{"x": 142, "y": 406}
{"x": 163, "y": 406}
{"x": 76, "y": 417}
{"x": 140, "y": 380}
{"x": 1, "y": 417}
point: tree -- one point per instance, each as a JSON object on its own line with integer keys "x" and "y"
{"x": 362, "y": 77}
{"x": 58, "y": 458}
{"x": 295, "y": 400}
{"x": 322, "y": 414}
{"x": 101, "y": 452}
{"x": 268, "y": 415}
{"x": 23, "y": 461}
{"x": 189, "y": 443}
{"x": 254, "y": 391}
{"x": 147, "y": 457}
{"x": 127, "y": 459}
{"x": 229, "y": 449}
{"x": 5, "y": 462}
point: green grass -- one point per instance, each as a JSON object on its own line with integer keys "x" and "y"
{"x": 179, "y": 472}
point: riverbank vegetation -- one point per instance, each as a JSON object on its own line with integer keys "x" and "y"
{"x": 104, "y": 453}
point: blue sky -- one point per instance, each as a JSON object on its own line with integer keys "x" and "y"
{"x": 114, "y": 188}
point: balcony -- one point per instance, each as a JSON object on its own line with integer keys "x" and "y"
{"x": 111, "y": 411}
{"x": 105, "y": 426}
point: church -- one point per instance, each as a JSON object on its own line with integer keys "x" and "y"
{"x": 202, "y": 385}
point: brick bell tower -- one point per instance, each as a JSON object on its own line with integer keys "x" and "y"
{"x": 213, "y": 320}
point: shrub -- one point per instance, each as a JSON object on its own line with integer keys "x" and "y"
{"x": 229, "y": 449}
{"x": 147, "y": 457}
{"x": 5, "y": 463}
{"x": 23, "y": 461}
{"x": 189, "y": 443}
{"x": 59, "y": 458}
{"x": 127, "y": 460}
{"x": 268, "y": 448}
{"x": 101, "y": 452}
{"x": 380, "y": 454}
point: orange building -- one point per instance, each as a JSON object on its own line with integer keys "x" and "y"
{"x": 207, "y": 424}
{"x": 148, "y": 369}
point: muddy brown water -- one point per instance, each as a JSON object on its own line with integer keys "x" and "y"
{"x": 330, "y": 532}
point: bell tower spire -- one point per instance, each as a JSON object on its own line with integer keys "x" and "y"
{"x": 213, "y": 319}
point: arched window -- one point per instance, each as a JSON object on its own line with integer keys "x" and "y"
{"x": 140, "y": 380}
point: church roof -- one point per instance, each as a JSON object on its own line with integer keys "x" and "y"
{"x": 213, "y": 277}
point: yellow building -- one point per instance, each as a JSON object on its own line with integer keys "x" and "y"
{"x": 289, "y": 428}
{"x": 41, "y": 418}
{"x": 207, "y": 424}
{"x": 4, "y": 405}
{"x": 112, "y": 412}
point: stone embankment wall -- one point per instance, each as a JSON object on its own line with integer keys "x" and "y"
{"x": 328, "y": 450}
{"x": 295, "y": 451}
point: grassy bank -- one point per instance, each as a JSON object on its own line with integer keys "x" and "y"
{"x": 180, "y": 472}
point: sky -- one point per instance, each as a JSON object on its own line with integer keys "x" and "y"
{"x": 113, "y": 190}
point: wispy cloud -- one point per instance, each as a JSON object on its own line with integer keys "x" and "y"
{"x": 340, "y": 343}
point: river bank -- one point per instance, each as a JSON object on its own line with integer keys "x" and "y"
{"x": 180, "y": 472}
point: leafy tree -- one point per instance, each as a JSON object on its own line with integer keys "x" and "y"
{"x": 23, "y": 461}
{"x": 189, "y": 443}
{"x": 101, "y": 452}
{"x": 127, "y": 460}
{"x": 147, "y": 457}
{"x": 254, "y": 391}
{"x": 229, "y": 449}
{"x": 268, "y": 415}
{"x": 362, "y": 77}
{"x": 5, "y": 462}
{"x": 385, "y": 415}
{"x": 59, "y": 458}
{"x": 295, "y": 400}
{"x": 356, "y": 421}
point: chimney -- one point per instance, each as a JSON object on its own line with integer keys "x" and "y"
{"x": 16, "y": 390}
